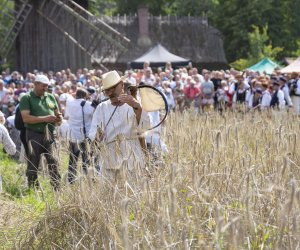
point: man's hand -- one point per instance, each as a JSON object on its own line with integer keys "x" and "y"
{"x": 130, "y": 100}
{"x": 59, "y": 117}
{"x": 51, "y": 119}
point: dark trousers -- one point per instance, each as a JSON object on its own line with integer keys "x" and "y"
{"x": 39, "y": 144}
{"x": 23, "y": 140}
{"x": 75, "y": 150}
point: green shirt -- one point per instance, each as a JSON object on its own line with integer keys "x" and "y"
{"x": 39, "y": 106}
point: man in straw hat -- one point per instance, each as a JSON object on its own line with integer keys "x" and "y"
{"x": 116, "y": 123}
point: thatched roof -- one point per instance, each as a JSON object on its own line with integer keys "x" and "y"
{"x": 189, "y": 37}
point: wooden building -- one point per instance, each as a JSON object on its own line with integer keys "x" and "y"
{"x": 59, "y": 34}
{"x": 54, "y": 34}
{"x": 188, "y": 37}
{"x": 42, "y": 45}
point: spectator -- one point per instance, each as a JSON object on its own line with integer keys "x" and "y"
{"x": 2, "y": 93}
{"x": 148, "y": 78}
{"x": 40, "y": 114}
{"x": 79, "y": 113}
{"x": 191, "y": 93}
{"x": 266, "y": 97}
{"x": 7, "y": 142}
{"x": 207, "y": 93}
{"x": 286, "y": 91}
{"x": 277, "y": 100}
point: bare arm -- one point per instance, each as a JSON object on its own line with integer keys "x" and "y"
{"x": 27, "y": 118}
{"x": 138, "y": 112}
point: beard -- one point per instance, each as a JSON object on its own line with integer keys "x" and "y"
{"x": 114, "y": 99}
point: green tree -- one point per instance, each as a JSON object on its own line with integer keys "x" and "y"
{"x": 260, "y": 46}
{"x": 234, "y": 18}
{"x": 296, "y": 52}
{"x": 103, "y": 7}
{"x": 156, "y": 7}
{"x": 164, "y": 7}
{"x": 192, "y": 7}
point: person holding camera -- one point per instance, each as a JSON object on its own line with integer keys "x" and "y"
{"x": 79, "y": 114}
{"x": 41, "y": 115}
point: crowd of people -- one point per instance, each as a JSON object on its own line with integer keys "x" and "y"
{"x": 183, "y": 87}
{"x": 78, "y": 99}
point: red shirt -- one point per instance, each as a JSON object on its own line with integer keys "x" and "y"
{"x": 191, "y": 92}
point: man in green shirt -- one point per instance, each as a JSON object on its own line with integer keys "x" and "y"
{"x": 40, "y": 114}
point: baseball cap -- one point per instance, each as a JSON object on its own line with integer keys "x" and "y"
{"x": 42, "y": 79}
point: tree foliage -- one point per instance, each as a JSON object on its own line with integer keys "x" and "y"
{"x": 260, "y": 47}
{"x": 234, "y": 18}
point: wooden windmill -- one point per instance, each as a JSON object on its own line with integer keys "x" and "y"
{"x": 55, "y": 34}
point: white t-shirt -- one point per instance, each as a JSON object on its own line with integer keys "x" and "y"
{"x": 73, "y": 113}
{"x": 65, "y": 97}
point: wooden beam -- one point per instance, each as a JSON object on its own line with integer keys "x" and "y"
{"x": 65, "y": 33}
{"x": 100, "y": 21}
{"x": 93, "y": 27}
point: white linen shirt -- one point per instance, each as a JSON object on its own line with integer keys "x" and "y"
{"x": 287, "y": 97}
{"x": 120, "y": 144}
{"x": 73, "y": 114}
{"x": 266, "y": 99}
{"x": 297, "y": 91}
{"x": 281, "y": 101}
{"x": 7, "y": 142}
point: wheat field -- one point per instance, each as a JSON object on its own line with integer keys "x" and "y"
{"x": 229, "y": 181}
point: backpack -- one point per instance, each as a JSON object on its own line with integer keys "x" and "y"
{"x": 19, "y": 123}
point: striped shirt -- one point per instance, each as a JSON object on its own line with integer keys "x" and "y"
{"x": 7, "y": 142}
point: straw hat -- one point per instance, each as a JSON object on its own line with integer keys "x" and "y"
{"x": 111, "y": 79}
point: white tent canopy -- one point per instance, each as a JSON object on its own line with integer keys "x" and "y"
{"x": 293, "y": 67}
{"x": 158, "y": 56}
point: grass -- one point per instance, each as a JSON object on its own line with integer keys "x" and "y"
{"x": 21, "y": 207}
{"x": 229, "y": 182}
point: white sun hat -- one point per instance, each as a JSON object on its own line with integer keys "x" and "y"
{"x": 111, "y": 79}
{"x": 42, "y": 79}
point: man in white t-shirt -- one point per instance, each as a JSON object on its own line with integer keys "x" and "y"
{"x": 131, "y": 78}
{"x": 148, "y": 78}
{"x": 79, "y": 114}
